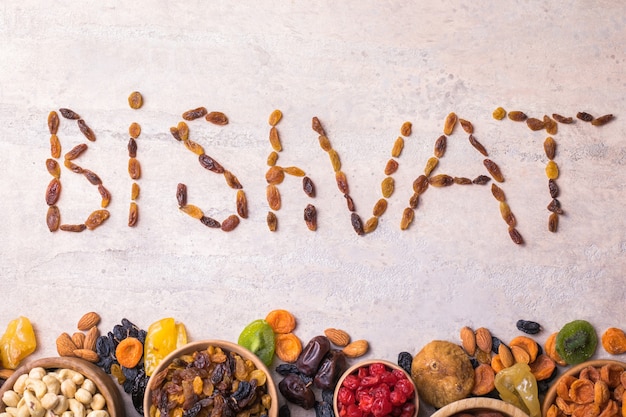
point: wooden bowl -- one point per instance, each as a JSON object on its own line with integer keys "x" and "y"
{"x": 354, "y": 368}
{"x": 469, "y": 405}
{"x": 550, "y": 397}
{"x": 106, "y": 386}
{"x": 203, "y": 345}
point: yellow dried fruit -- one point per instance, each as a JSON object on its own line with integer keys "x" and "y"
{"x": 449, "y": 123}
{"x": 334, "y": 160}
{"x": 275, "y": 140}
{"x": 275, "y": 117}
{"x": 430, "y": 165}
{"x": 387, "y": 187}
{"x": 398, "y": 145}
{"x": 272, "y": 158}
{"x": 405, "y": 130}
{"x": 370, "y": 225}
{"x": 552, "y": 170}
{"x": 407, "y": 218}
{"x": 499, "y": 113}
{"x": 191, "y": 210}
{"x": 324, "y": 143}
{"x": 295, "y": 171}
{"x": 135, "y": 100}
{"x": 614, "y": 341}
{"x": 380, "y": 207}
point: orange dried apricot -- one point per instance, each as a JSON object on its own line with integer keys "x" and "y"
{"x": 614, "y": 341}
{"x": 542, "y": 367}
{"x": 582, "y": 391}
{"x": 601, "y": 393}
{"x": 281, "y": 321}
{"x": 129, "y": 352}
{"x": 484, "y": 377}
{"x": 528, "y": 344}
{"x": 496, "y": 363}
{"x": 611, "y": 373}
{"x": 288, "y": 347}
{"x": 563, "y": 385}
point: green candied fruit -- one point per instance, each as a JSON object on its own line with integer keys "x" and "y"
{"x": 576, "y": 341}
{"x": 258, "y": 337}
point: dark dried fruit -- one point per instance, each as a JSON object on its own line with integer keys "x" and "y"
{"x": 554, "y": 188}
{"x": 75, "y": 152}
{"x": 555, "y": 206}
{"x": 92, "y": 177}
{"x": 349, "y": 202}
{"x": 272, "y": 221}
{"x": 53, "y": 191}
{"x": 296, "y": 391}
{"x": 553, "y": 222}
{"x": 194, "y": 114}
{"x": 105, "y": 195}
{"x": 53, "y": 122}
{"x": 357, "y": 224}
{"x": 507, "y": 214}
{"x": 498, "y": 193}
{"x": 133, "y": 214}
{"x": 217, "y": 118}
{"x": 134, "y": 168}
{"x": 73, "y": 167}
{"x": 535, "y": 124}
{"x": 441, "y": 180}
{"x": 242, "y": 204}
{"x": 407, "y": 218}
{"x": 181, "y": 194}
{"x": 515, "y": 235}
{"x": 316, "y": 125}
{"x": 69, "y": 114}
{"x": 211, "y": 164}
{"x": 420, "y": 184}
{"x": 549, "y": 147}
{"x": 602, "y": 120}
{"x": 494, "y": 170}
{"x": 275, "y": 140}
{"x": 529, "y": 327}
{"x": 96, "y": 218}
{"x": 440, "y": 146}
{"x": 477, "y": 145}
{"x": 517, "y": 116}
{"x": 584, "y": 116}
{"x": 55, "y": 146}
{"x": 53, "y": 218}
{"x": 308, "y": 187}
{"x": 175, "y": 133}
{"x": 414, "y": 201}
{"x": 72, "y": 227}
{"x": 135, "y": 100}
{"x": 562, "y": 119}
{"x": 86, "y": 130}
{"x": 312, "y": 355}
{"x": 391, "y": 167}
{"x": 405, "y": 359}
{"x": 132, "y": 148}
{"x": 467, "y": 126}
{"x": 333, "y": 365}
{"x": 342, "y": 182}
{"x": 53, "y": 168}
{"x": 230, "y": 223}
{"x": 232, "y": 181}
{"x": 209, "y": 222}
{"x": 310, "y": 217}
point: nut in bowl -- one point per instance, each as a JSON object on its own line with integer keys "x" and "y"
{"x": 55, "y": 385}
{"x": 211, "y": 376}
{"x": 595, "y": 387}
{"x": 375, "y": 388}
{"x": 479, "y": 406}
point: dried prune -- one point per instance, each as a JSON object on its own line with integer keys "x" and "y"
{"x": 357, "y": 224}
{"x": 527, "y": 326}
{"x": 405, "y": 359}
{"x": 308, "y": 187}
{"x": 211, "y": 164}
{"x": 284, "y": 411}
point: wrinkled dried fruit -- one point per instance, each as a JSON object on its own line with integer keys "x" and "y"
{"x": 551, "y": 126}
{"x": 380, "y": 207}
{"x": 275, "y": 175}
{"x": 273, "y": 197}
{"x": 72, "y": 166}
{"x": 55, "y": 146}
{"x": 86, "y": 130}
{"x": 549, "y": 146}
{"x": 414, "y": 201}
{"x": 370, "y": 225}
{"x": 498, "y": 193}
{"x": 449, "y": 123}
{"x": 602, "y": 120}
{"x": 406, "y": 128}
{"x": 310, "y": 217}
{"x": 134, "y": 130}
{"x": 232, "y": 181}
{"x": 194, "y": 147}
{"x": 194, "y": 114}
{"x": 387, "y": 187}
{"x": 535, "y": 124}
{"x": 441, "y": 180}
{"x": 517, "y": 116}
{"x": 217, "y": 118}
{"x": 584, "y": 116}
{"x": 92, "y": 177}
{"x": 398, "y": 145}
{"x": 507, "y": 214}
{"x": 175, "y": 133}
{"x": 552, "y": 170}
{"x": 494, "y": 170}
{"x": 420, "y": 184}
{"x": 555, "y": 206}
{"x": 75, "y": 152}
{"x": 477, "y": 145}
{"x": 191, "y": 210}
{"x": 357, "y": 224}
{"x": 562, "y": 119}
{"x": 316, "y": 125}
{"x": 288, "y": 347}
{"x": 211, "y": 164}
{"x": 104, "y": 195}
{"x": 183, "y": 130}
{"x": 440, "y": 146}
{"x": 391, "y": 167}
{"x": 53, "y": 191}
{"x": 242, "y": 204}
{"x": 484, "y": 377}
{"x": 542, "y": 367}
{"x": 129, "y": 351}
{"x": 135, "y": 100}
{"x": 342, "y": 182}
{"x": 527, "y": 326}
{"x": 407, "y": 218}
{"x": 210, "y": 222}
{"x": 295, "y": 171}
{"x": 53, "y": 218}
{"x": 272, "y": 221}
{"x": 431, "y": 164}
{"x": 53, "y": 122}
{"x": 499, "y": 113}
{"x": 308, "y": 187}
{"x": 132, "y": 148}
{"x": 553, "y": 188}
{"x": 324, "y": 143}
{"x": 527, "y": 344}
{"x": 72, "y": 227}
{"x": 614, "y": 341}
{"x": 69, "y": 114}
{"x": 467, "y": 126}
{"x": 230, "y": 223}
{"x": 181, "y": 194}
{"x": 134, "y": 191}
{"x": 272, "y": 158}
{"x": 553, "y": 222}
{"x": 462, "y": 180}
{"x": 275, "y": 117}
{"x": 281, "y": 321}
{"x": 134, "y": 168}
{"x": 53, "y": 168}
{"x": 349, "y": 202}
{"x": 550, "y": 349}
{"x": 334, "y": 160}
{"x": 515, "y": 235}
{"x": 275, "y": 140}
{"x": 576, "y": 341}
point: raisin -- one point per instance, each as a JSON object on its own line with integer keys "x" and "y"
{"x": 414, "y": 201}
{"x": 194, "y": 114}
{"x": 217, "y": 118}
{"x": 96, "y": 218}
{"x": 53, "y": 168}
{"x": 316, "y": 125}
{"x": 387, "y": 187}
{"x": 342, "y": 182}
{"x": 230, "y": 223}
{"x": 391, "y": 167}
{"x": 584, "y": 116}
{"x": 72, "y": 227}
{"x": 552, "y": 170}
{"x": 507, "y": 214}
{"x": 53, "y": 192}
{"x": 55, "y": 146}
{"x": 275, "y": 140}
{"x": 133, "y": 214}
{"x": 295, "y": 171}
{"x": 209, "y": 222}
{"x": 92, "y": 177}
{"x": 535, "y": 124}
{"x": 284, "y": 411}
{"x": 134, "y": 191}
{"x": 275, "y": 117}
{"x": 86, "y": 130}
{"x": 53, "y": 218}
{"x": 431, "y": 164}
{"x": 194, "y": 147}
{"x": 449, "y": 123}
{"x": 441, "y": 180}
{"x": 398, "y": 145}
{"x": 211, "y": 164}
{"x": 310, "y": 217}
{"x": 494, "y": 170}
{"x": 272, "y": 158}
{"x": 498, "y": 193}
{"x": 477, "y": 145}
{"x": 272, "y": 221}
{"x": 462, "y": 180}
{"x": 440, "y": 146}
{"x": 420, "y": 184}
{"x": 529, "y": 327}
{"x": 134, "y": 168}
{"x": 406, "y": 129}
{"x": 175, "y": 133}
{"x": 562, "y": 119}
{"x": 349, "y": 202}
{"x": 105, "y": 196}
{"x": 132, "y": 148}
{"x": 324, "y": 143}
{"x": 134, "y": 130}
{"x": 380, "y": 207}
{"x": 357, "y": 224}
{"x": 242, "y": 204}
{"x": 467, "y": 126}
{"x": 551, "y": 126}
{"x": 232, "y": 181}
{"x": 405, "y": 359}
{"x": 191, "y": 210}
{"x": 308, "y": 187}
{"x": 75, "y": 152}
{"x": 602, "y": 120}
{"x": 53, "y": 122}
{"x": 517, "y": 116}
{"x": 515, "y": 235}
{"x": 553, "y": 188}
{"x": 324, "y": 409}
{"x": 407, "y": 218}
{"x": 334, "y": 160}
{"x": 273, "y": 197}
{"x": 370, "y": 225}
{"x": 555, "y": 206}
{"x": 275, "y": 175}
{"x": 549, "y": 147}
{"x": 135, "y": 100}
{"x": 498, "y": 113}
{"x": 69, "y": 114}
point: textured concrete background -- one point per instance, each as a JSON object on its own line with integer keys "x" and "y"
{"x": 362, "y": 67}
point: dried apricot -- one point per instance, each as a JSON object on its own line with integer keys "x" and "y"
{"x": 484, "y": 377}
{"x": 550, "y": 349}
{"x": 614, "y": 341}
{"x": 281, "y": 321}
{"x": 288, "y": 347}
{"x": 129, "y": 352}
{"x": 528, "y": 344}
{"x": 582, "y": 391}
{"x": 542, "y": 367}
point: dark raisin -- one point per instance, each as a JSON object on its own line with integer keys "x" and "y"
{"x": 357, "y": 224}
{"x": 529, "y": 327}
{"x": 308, "y": 187}
{"x": 554, "y": 188}
{"x": 210, "y": 222}
{"x": 328, "y": 395}
{"x": 481, "y": 180}
{"x": 584, "y": 116}
{"x": 324, "y": 409}
{"x": 495, "y": 344}
{"x": 286, "y": 369}
{"x": 349, "y": 202}
{"x": 474, "y": 362}
{"x": 132, "y": 148}
{"x": 211, "y": 164}
{"x": 405, "y": 359}
{"x": 69, "y": 114}
{"x": 555, "y": 206}
{"x": 284, "y": 411}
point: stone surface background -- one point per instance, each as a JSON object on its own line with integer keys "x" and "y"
{"x": 363, "y": 68}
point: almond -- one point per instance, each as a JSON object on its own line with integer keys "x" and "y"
{"x": 65, "y": 345}
{"x": 356, "y": 348}
{"x": 79, "y": 339}
{"x": 483, "y": 339}
{"x": 506, "y": 357}
{"x": 468, "y": 340}
{"x": 337, "y": 337}
{"x": 91, "y": 338}
{"x": 520, "y": 354}
{"x": 86, "y": 354}
{"x": 88, "y": 320}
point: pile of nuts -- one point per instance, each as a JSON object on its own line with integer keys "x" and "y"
{"x": 62, "y": 392}
{"x": 81, "y": 344}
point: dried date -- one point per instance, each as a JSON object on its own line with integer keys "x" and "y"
{"x": 211, "y": 164}
{"x": 194, "y": 114}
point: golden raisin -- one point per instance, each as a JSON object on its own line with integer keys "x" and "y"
{"x": 275, "y": 140}
{"x": 275, "y": 117}
{"x": 53, "y": 218}
{"x": 105, "y": 196}
{"x": 274, "y": 175}
{"x": 272, "y": 221}
{"x": 441, "y": 180}
{"x": 194, "y": 147}
{"x": 430, "y": 165}
{"x": 391, "y": 167}
{"x": 334, "y": 160}
{"x": 535, "y": 124}
{"x": 552, "y": 170}
{"x": 407, "y": 218}
{"x": 397, "y": 147}
{"x": 183, "y": 130}
{"x": 217, "y": 118}
{"x": 324, "y": 143}
{"x": 231, "y": 180}
{"x": 517, "y": 116}
{"x": 55, "y": 146}
{"x": 134, "y": 130}
{"x": 195, "y": 113}
{"x": 135, "y": 100}
{"x": 53, "y": 168}
{"x": 242, "y": 204}
{"x": 380, "y": 207}
{"x": 449, "y": 123}
{"x": 295, "y": 171}
{"x": 134, "y": 168}
{"x": 273, "y": 197}
{"x": 191, "y": 210}
{"x": 272, "y": 158}
{"x": 134, "y": 191}
{"x": 549, "y": 146}
{"x": 440, "y": 146}
{"x": 498, "y": 193}
{"x": 494, "y": 170}
{"x": 499, "y": 113}
{"x": 96, "y": 218}
{"x": 371, "y": 224}
{"x": 53, "y": 122}
{"x": 406, "y": 128}
{"x": 387, "y": 187}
